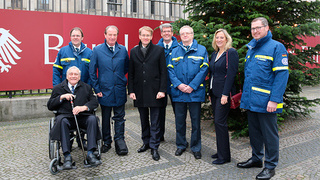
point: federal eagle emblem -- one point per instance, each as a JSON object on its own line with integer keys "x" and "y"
{"x": 8, "y": 50}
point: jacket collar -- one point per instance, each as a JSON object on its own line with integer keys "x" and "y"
{"x": 82, "y": 48}
{"x": 65, "y": 86}
{"x": 116, "y": 47}
{"x": 140, "y": 55}
{"x": 174, "y": 42}
{"x": 194, "y": 46}
{"x": 257, "y": 43}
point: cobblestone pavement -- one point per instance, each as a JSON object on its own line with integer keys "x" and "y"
{"x": 24, "y": 152}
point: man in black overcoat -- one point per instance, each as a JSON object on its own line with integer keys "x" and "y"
{"x": 147, "y": 84}
{"x": 72, "y": 89}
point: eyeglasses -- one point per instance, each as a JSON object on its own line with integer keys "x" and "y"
{"x": 145, "y": 35}
{"x": 257, "y": 28}
{"x": 185, "y": 33}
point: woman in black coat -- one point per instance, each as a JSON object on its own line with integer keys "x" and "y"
{"x": 147, "y": 86}
{"x": 223, "y": 67}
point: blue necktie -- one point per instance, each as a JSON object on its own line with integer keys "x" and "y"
{"x": 77, "y": 50}
{"x": 167, "y": 46}
{"x": 72, "y": 89}
{"x": 111, "y": 49}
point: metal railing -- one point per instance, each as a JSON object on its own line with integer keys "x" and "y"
{"x": 10, "y": 94}
{"x": 142, "y": 9}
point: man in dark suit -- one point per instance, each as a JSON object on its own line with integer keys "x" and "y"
{"x": 147, "y": 84}
{"x": 62, "y": 96}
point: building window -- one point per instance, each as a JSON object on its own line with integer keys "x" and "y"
{"x": 16, "y": 4}
{"x": 112, "y": 5}
{"x": 134, "y": 5}
{"x": 152, "y": 6}
{"x": 91, "y": 4}
{"x": 43, "y": 4}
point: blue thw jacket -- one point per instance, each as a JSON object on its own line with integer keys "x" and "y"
{"x": 266, "y": 75}
{"x": 67, "y": 57}
{"x": 168, "y": 54}
{"x": 189, "y": 67}
{"x": 107, "y": 73}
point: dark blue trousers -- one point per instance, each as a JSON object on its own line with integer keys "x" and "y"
{"x": 263, "y": 132}
{"x": 150, "y": 130}
{"x": 220, "y": 122}
{"x": 162, "y": 117}
{"x": 85, "y": 122}
{"x": 181, "y": 114}
{"x": 119, "y": 122}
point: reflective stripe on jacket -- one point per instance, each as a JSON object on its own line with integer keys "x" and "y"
{"x": 266, "y": 74}
{"x": 67, "y": 57}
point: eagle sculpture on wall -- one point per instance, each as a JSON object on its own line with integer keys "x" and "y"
{"x": 8, "y": 50}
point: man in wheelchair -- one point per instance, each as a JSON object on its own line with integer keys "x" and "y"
{"x": 72, "y": 90}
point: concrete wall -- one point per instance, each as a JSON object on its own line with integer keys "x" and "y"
{"x": 24, "y": 108}
{"x": 30, "y": 107}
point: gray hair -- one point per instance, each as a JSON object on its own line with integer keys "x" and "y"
{"x": 263, "y": 20}
{"x": 74, "y": 67}
{"x": 166, "y": 25}
{"x": 186, "y": 26}
{"x": 111, "y": 26}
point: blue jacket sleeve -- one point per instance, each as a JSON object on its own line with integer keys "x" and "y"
{"x": 281, "y": 74}
{"x": 233, "y": 63}
{"x": 57, "y": 71}
{"x": 93, "y": 65}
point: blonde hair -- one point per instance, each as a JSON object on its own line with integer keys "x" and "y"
{"x": 228, "y": 37}
{"x": 146, "y": 28}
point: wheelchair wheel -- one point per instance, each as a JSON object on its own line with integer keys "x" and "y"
{"x": 54, "y": 166}
{"x": 51, "y": 142}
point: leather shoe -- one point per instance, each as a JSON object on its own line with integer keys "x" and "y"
{"x": 249, "y": 164}
{"x": 121, "y": 147}
{"x": 155, "y": 154}
{"x": 220, "y": 161}
{"x": 197, "y": 155}
{"x": 67, "y": 163}
{"x": 105, "y": 148}
{"x": 179, "y": 152}
{"x": 93, "y": 160}
{"x": 215, "y": 156}
{"x": 143, "y": 148}
{"x": 266, "y": 174}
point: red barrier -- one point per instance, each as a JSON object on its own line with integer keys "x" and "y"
{"x": 30, "y": 40}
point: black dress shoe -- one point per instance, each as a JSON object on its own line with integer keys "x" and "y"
{"x": 215, "y": 156}
{"x": 220, "y": 161}
{"x": 155, "y": 154}
{"x": 266, "y": 174}
{"x": 84, "y": 145}
{"x": 121, "y": 147}
{"x": 93, "y": 160}
{"x": 249, "y": 164}
{"x": 179, "y": 152}
{"x": 105, "y": 148}
{"x": 67, "y": 163}
{"x": 143, "y": 148}
{"x": 197, "y": 155}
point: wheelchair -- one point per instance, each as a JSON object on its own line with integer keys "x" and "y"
{"x": 54, "y": 147}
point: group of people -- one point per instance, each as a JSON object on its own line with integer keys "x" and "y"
{"x": 178, "y": 70}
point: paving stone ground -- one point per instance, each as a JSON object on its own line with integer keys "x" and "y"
{"x": 24, "y": 152}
